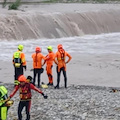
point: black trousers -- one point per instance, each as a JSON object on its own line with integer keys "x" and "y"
{"x": 27, "y": 105}
{"x": 35, "y": 73}
{"x": 18, "y": 72}
{"x": 58, "y": 76}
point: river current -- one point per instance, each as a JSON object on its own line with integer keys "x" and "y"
{"x": 87, "y": 44}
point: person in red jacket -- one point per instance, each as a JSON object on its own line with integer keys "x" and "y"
{"x": 25, "y": 96}
{"x": 61, "y": 60}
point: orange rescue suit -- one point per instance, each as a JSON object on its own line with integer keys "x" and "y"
{"x": 37, "y": 60}
{"x": 49, "y": 63}
{"x": 60, "y": 57}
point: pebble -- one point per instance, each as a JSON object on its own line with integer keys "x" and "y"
{"x": 74, "y": 103}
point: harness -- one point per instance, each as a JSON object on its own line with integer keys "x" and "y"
{"x": 62, "y": 53}
{"x": 3, "y": 95}
{"x": 25, "y": 92}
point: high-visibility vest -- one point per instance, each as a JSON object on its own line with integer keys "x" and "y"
{"x": 3, "y": 108}
{"x": 17, "y": 59}
{"x": 3, "y": 94}
{"x": 3, "y": 113}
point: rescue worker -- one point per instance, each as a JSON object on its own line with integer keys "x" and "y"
{"x": 4, "y": 103}
{"x": 49, "y": 64}
{"x": 19, "y": 63}
{"x": 61, "y": 61}
{"x": 25, "y": 96}
{"x": 38, "y": 60}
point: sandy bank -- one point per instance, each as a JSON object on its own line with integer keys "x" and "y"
{"x": 98, "y": 70}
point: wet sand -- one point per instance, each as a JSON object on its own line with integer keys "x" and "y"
{"x": 98, "y": 70}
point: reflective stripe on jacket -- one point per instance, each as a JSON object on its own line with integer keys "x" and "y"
{"x": 61, "y": 60}
{"x": 21, "y": 55}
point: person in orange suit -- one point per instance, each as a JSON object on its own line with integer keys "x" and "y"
{"x": 49, "y": 59}
{"x": 38, "y": 60}
{"x": 61, "y": 61}
{"x": 19, "y": 62}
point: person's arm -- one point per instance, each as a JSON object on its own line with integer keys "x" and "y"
{"x": 14, "y": 91}
{"x": 38, "y": 90}
{"x": 69, "y": 58}
{"x": 23, "y": 60}
{"x": 43, "y": 57}
{"x": 54, "y": 58}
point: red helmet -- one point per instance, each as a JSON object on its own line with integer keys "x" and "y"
{"x": 22, "y": 78}
{"x": 38, "y": 49}
{"x": 60, "y": 46}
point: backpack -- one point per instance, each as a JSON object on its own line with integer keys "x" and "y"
{"x": 17, "y": 59}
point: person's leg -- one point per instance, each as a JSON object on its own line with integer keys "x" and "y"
{"x": 39, "y": 74}
{"x": 34, "y": 76}
{"x": 49, "y": 73}
{"x": 58, "y": 78}
{"x": 28, "y": 106}
{"x": 15, "y": 76}
{"x": 20, "y": 108}
{"x": 3, "y": 113}
{"x": 65, "y": 77}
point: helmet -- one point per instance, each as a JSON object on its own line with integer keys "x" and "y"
{"x": 38, "y": 49}
{"x": 22, "y": 78}
{"x": 29, "y": 79}
{"x": 60, "y": 46}
{"x": 50, "y": 48}
{"x": 20, "y": 47}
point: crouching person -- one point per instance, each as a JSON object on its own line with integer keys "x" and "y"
{"x": 25, "y": 96}
{"x": 4, "y": 103}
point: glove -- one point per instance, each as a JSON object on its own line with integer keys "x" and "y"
{"x": 8, "y": 99}
{"x": 45, "y": 96}
{"x": 25, "y": 67}
{"x": 16, "y": 82}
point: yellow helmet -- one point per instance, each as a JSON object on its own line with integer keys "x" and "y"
{"x": 50, "y": 48}
{"x": 20, "y": 47}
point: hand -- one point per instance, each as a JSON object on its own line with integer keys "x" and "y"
{"x": 8, "y": 99}
{"x": 31, "y": 69}
{"x": 45, "y": 96}
{"x": 25, "y": 67}
{"x": 66, "y": 62}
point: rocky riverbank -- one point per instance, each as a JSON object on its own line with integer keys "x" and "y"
{"x": 74, "y": 103}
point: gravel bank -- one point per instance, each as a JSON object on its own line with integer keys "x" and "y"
{"x": 74, "y": 103}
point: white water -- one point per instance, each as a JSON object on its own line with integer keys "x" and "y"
{"x": 89, "y": 44}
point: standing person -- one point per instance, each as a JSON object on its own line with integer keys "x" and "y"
{"x": 37, "y": 64}
{"x": 19, "y": 63}
{"x": 49, "y": 64}
{"x": 25, "y": 96}
{"x": 60, "y": 61}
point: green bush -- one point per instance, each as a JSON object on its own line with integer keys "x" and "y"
{"x": 15, "y": 5}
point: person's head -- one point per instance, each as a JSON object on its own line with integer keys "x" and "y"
{"x": 49, "y": 48}
{"x": 60, "y": 46}
{"x": 20, "y": 47}
{"x": 29, "y": 79}
{"x": 22, "y": 79}
{"x": 37, "y": 49}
